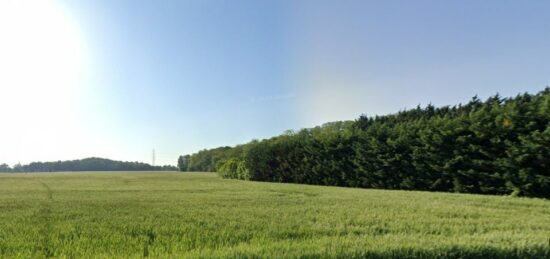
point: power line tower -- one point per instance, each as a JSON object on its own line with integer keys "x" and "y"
{"x": 153, "y": 157}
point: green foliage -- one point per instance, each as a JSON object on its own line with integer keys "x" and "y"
{"x": 200, "y": 215}
{"x": 496, "y": 146}
{"x": 183, "y": 163}
{"x": 233, "y": 168}
{"x": 4, "y": 168}
{"x": 207, "y": 160}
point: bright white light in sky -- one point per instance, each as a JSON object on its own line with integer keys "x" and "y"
{"x": 116, "y": 79}
{"x": 42, "y": 59}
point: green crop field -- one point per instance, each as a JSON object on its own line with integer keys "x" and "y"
{"x": 105, "y": 215}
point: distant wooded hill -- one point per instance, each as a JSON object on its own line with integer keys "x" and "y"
{"x": 496, "y": 146}
{"x": 87, "y": 164}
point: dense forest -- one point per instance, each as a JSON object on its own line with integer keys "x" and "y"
{"x": 87, "y": 164}
{"x": 496, "y": 146}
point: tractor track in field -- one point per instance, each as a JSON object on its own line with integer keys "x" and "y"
{"x": 48, "y": 189}
{"x": 44, "y": 244}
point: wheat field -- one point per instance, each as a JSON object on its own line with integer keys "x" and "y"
{"x": 192, "y": 215}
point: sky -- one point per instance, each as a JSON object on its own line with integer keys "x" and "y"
{"x": 117, "y": 79}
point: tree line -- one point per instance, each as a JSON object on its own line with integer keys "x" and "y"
{"x": 496, "y": 146}
{"x": 87, "y": 164}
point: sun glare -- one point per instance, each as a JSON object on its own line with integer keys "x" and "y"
{"x": 41, "y": 58}
{"x": 41, "y": 62}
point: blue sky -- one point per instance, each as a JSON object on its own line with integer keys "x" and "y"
{"x": 179, "y": 76}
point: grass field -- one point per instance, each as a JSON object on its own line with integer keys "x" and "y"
{"x": 200, "y": 215}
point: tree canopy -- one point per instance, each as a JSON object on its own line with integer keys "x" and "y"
{"x": 87, "y": 164}
{"x": 496, "y": 146}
